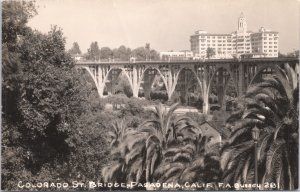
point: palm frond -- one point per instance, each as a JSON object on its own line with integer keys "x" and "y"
{"x": 182, "y": 157}
{"x": 272, "y": 153}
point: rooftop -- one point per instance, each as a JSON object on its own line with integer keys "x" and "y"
{"x": 220, "y": 127}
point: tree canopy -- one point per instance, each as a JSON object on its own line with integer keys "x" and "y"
{"x": 45, "y": 100}
{"x": 75, "y": 49}
{"x": 93, "y": 52}
{"x": 210, "y": 52}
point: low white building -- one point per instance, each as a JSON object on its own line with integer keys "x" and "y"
{"x": 78, "y": 57}
{"x": 176, "y": 55}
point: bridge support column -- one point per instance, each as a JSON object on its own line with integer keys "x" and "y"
{"x": 221, "y": 84}
{"x": 169, "y": 86}
{"x": 135, "y": 87}
{"x": 98, "y": 74}
{"x": 170, "y": 78}
{"x": 205, "y": 91}
{"x": 135, "y": 74}
{"x": 241, "y": 79}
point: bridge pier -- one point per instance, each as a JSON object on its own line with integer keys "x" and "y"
{"x": 170, "y": 74}
{"x": 135, "y": 75}
{"x": 241, "y": 80}
{"x": 205, "y": 91}
{"x": 96, "y": 73}
{"x": 135, "y": 88}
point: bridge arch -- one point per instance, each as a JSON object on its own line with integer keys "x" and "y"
{"x": 260, "y": 70}
{"x": 100, "y": 85}
{"x": 195, "y": 74}
{"x": 143, "y": 76}
{"x": 122, "y": 71}
{"x": 225, "y": 87}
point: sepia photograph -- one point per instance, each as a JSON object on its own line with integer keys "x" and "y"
{"x": 136, "y": 95}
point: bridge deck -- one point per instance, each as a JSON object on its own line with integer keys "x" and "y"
{"x": 215, "y": 61}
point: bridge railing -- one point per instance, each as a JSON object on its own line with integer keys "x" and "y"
{"x": 283, "y": 59}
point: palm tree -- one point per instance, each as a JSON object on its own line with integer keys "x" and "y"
{"x": 272, "y": 106}
{"x": 176, "y": 150}
{"x": 190, "y": 163}
{"x": 163, "y": 149}
{"x": 126, "y": 152}
{"x": 159, "y": 132}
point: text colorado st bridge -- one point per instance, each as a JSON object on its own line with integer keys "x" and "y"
{"x": 242, "y": 72}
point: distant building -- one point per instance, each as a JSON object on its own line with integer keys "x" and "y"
{"x": 176, "y": 55}
{"x": 263, "y": 43}
{"x": 78, "y": 57}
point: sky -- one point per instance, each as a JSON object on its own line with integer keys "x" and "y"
{"x": 165, "y": 24}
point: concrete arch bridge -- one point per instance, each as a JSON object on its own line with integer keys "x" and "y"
{"x": 242, "y": 73}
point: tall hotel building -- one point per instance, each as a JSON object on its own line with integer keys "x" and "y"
{"x": 262, "y": 43}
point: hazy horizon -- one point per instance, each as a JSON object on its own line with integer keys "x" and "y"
{"x": 165, "y": 24}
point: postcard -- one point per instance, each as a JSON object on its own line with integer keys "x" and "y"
{"x": 104, "y": 95}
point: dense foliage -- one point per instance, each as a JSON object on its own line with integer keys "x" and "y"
{"x": 121, "y": 54}
{"x": 46, "y": 132}
{"x": 272, "y": 106}
{"x": 75, "y": 49}
{"x": 164, "y": 149}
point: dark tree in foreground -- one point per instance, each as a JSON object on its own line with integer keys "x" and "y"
{"x": 272, "y": 106}
{"x": 45, "y": 130}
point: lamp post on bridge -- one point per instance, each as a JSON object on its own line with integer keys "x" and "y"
{"x": 255, "y": 137}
